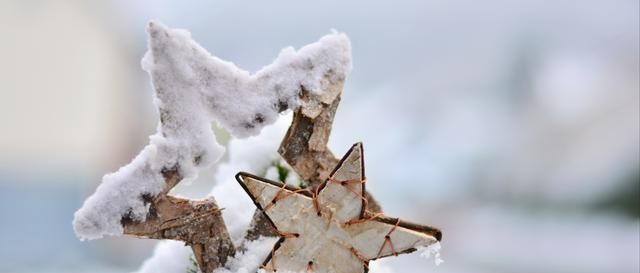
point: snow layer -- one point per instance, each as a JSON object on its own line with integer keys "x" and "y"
{"x": 431, "y": 251}
{"x": 192, "y": 90}
{"x": 255, "y": 155}
{"x": 169, "y": 257}
{"x": 250, "y": 260}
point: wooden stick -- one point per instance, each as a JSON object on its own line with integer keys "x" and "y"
{"x": 197, "y": 223}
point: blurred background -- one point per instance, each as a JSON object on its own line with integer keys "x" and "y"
{"x": 511, "y": 125}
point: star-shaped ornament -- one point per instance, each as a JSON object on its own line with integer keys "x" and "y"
{"x": 330, "y": 230}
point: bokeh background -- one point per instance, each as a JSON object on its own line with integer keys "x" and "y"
{"x": 511, "y": 125}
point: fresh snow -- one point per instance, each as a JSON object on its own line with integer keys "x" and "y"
{"x": 250, "y": 260}
{"x": 169, "y": 257}
{"x": 431, "y": 251}
{"x": 255, "y": 155}
{"x": 192, "y": 90}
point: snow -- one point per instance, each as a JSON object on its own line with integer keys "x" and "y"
{"x": 118, "y": 194}
{"x": 272, "y": 173}
{"x": 169, "y": 257}
{"x": 253, "y": 155}
{"x": 211, "y": 90}
{"x": 239, "y": 101}
{"x": 250, "y": 260}
{"x": 174, "y": 257}
{"x": 192, "y": 90}
{"x": 432, "y": 251}
{"x": 379, "y": 266}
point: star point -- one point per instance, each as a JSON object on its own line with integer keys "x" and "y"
{"x": 329, "y": 230}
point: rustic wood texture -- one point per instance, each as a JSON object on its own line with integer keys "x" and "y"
{"x": 199, "y": 224}
{"x": 331, "y": 231}
{"x": 304, "y": 147}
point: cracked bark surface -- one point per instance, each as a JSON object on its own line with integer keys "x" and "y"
{"x": 304, "y": 147}
{"x": 198, "y": 223}
{"x": 330, "y": 230}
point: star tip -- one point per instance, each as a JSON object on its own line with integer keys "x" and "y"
{"x": 359, "y": 147}
{"x": 240, "y": 176}
{"x": 438, "y": 235}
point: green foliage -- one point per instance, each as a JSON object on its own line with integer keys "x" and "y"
{"x": 193, "y": 267}
{"x": 283, "y": 172}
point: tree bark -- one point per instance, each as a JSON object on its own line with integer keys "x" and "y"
{"x": 200, "y": 224}
{"x": 304, "y": 147}
{"x": 197, "y": 223}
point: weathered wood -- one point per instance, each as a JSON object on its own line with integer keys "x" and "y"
{"x": 260, "y": 226}
{"x": 197, "y": 223}
{"x": 304, "y": 147}
{"x": 331, "y": 231}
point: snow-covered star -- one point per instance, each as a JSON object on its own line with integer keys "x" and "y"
{"x": 330, "y": 230}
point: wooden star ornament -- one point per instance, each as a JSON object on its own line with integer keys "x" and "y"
{"x": 330, "y": 230}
